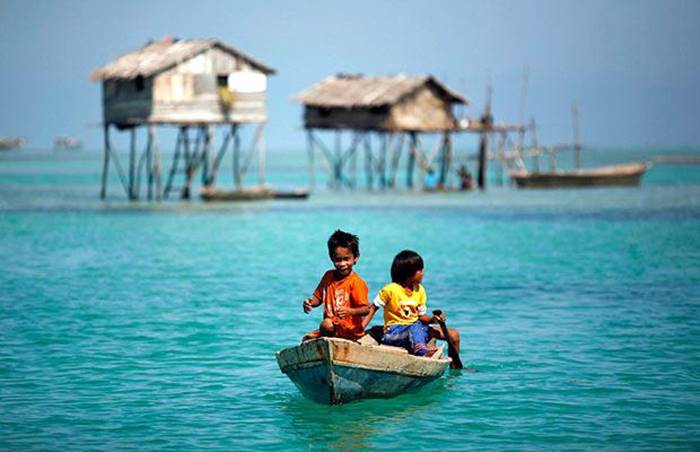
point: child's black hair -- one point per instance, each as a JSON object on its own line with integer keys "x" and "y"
{"x": 346, "y": 240}
{"x": 405, "y": 265}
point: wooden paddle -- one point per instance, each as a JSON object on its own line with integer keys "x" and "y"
{"x": 451, "y": 349}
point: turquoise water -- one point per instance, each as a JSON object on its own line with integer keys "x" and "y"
{"x": 155, "y": 326}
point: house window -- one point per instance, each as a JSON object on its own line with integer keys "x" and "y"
{"x": 222, "y": 80}
{"x": 139, "y": 83}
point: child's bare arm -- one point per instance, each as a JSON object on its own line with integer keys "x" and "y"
{"x": 345, "y": 311}
{"x": 428, "y": 319}
{"x": 311, "y": 303}
{"x": 368, "y": 318}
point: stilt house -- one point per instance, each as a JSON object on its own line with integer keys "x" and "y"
{"x": 191, "y": 84}
{"x": 387, "y": 103}
{"x": 390, "y": 108}
{"x": 183, "y": 81}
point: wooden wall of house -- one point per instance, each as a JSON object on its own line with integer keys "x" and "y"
{"x": 127, "y": 101}
{"x": 423, "y": 111}
{"x": 187, "y": 93}
{"x": 343, "y": 118}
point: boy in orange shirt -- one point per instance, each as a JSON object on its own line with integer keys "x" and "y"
{"x": 341, "y": 291}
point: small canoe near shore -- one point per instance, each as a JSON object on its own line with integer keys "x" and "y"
{"x": 250, "y": 194}
{"x": 334, "y": 371}
{"x": 618, "y": 175}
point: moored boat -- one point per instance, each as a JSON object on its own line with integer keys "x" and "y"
{"x": 335, "y": 371}
{"x": 618, "y": 175}
{"x": 250, "y": 194}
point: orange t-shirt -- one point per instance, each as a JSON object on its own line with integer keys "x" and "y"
{"x": 350, "y": 291}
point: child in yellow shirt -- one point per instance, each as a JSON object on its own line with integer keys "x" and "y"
{"x": 406, "y": 322}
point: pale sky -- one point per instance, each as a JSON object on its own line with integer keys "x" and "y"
{"x": 633, "y": 67}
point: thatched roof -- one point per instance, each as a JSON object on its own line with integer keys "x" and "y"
{"x": 162, "y": 55}
{"x": 358, "y": 91}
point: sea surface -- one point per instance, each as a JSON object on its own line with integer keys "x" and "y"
{"x": 154, "y": 326}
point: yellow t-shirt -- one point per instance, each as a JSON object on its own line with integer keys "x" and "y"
{"x": 400, "y": 306}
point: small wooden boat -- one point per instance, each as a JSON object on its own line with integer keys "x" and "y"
{"x": 250, "y": 194}
{"x": 334, "y": 371}
{"x": 238, "y": 194}
{"x": 618, "y": 175}
{"x": 293, "y": 194}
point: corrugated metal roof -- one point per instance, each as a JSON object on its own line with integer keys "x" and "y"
{"x": 162, "y": 55}
{"x": 351, "y": 91}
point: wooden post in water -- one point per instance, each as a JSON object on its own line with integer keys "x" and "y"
{"x": 382, "y": 161}
{"x": 261, "y": 155}
{"x": 156, "y": 161}
{"x": 368, "y": 161}
{"x": 337, "y": 161}
{"x": 149, "y": 164}
{"x": 105, "y": 163}
{"x": 310, "y": 148}
{"x": 486, "y": 124}
{"x": 132, "y": 164}
{"x": 396, "y": 156}
{"x": 411, "y": 159}
{"x": 483, "y": 152}
{"x": 445, "y": 159}
{"x": 176, "y": 159}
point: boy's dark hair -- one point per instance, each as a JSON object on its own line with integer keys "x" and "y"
{"x": 405, "y": 265}
{"x": 346, "y": 240}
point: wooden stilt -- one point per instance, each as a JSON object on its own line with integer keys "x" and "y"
{"x": 156, "y": 162}
{"x": 149, "y": 164}
{"x": 236, "y": 156}
{"x": 395, "y": 158}
{"x": 261, "y": 155}
{"x": 329, "y": 160}
{"x": 176, "y": 160}
{"x": 219, "y": 156}
{"x": 382, "y": 160}
{"x": 442, "y": 180}
{"x": 194, "y": 159}
{"x": 368, "y": 161}
{"x": 338, "y": 168}
{"x": 120, "y": 172}
{"x": 310, "y": 148}
{"x": 132, "y": 164}
{"x": 208, "y": 162}
{"x": 105, "y": 162}
{"x": 483, "y": 152}
{"x": 352, "y": 181}
{"x": 411, "y": 159}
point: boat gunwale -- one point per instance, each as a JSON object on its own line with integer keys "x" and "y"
{"x": 435, "y": 366}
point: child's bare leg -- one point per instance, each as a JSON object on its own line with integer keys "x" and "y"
{"x": 327, "y": 328}
{"x": 311, "y": 335}
{"x": 454, "y": 335}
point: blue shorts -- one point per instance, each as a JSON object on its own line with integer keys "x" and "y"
{"x": 413, "y": 337}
